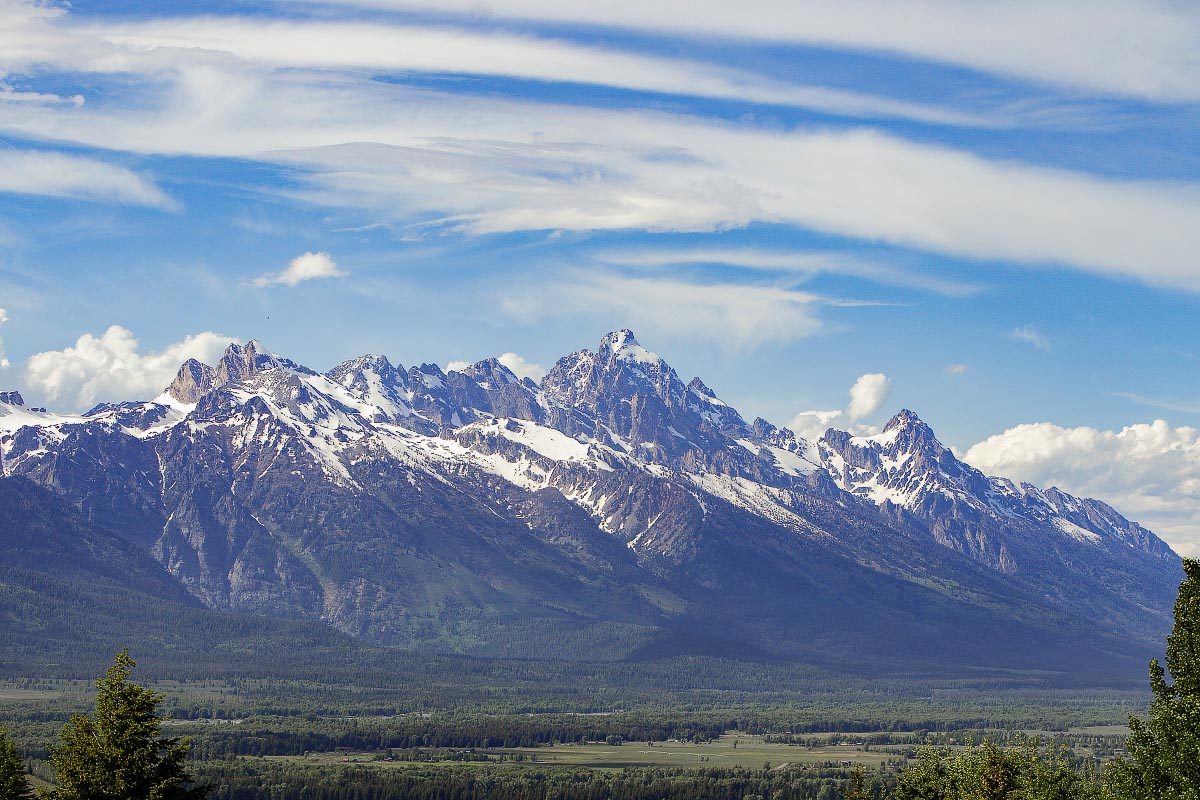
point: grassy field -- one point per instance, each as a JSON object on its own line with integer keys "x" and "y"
{"x": 1102, "y": 730}
{"x": 13, "y": 693}
{"x": 731, "y": 750}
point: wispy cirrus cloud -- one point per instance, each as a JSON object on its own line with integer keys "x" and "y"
{"x": 734, "y": 316}
{"x": 597, "y": 170}
{"x": 51, "y": 174}
{"x": 802, "y": 264}
{"x": 1031, "y": 335}
{"x": 37, "y": 36}
{"x": 481, "y": 165}
{"x": 399, "y": 48}
{"x": 1166, "y": 404}
{"x": 9, "y": 95}
{"x": 1098, "y": 47}
{"x": 3, "y": 358}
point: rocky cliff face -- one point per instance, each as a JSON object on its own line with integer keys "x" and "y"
{"x": 193, "y": 382}
{"x": 612, "y": 505}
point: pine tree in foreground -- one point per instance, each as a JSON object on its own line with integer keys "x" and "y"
{"x": 1165, "y": 749}
{"x": 1028, "y": 771}
{"x": 117, "y": 753}
{"x": 14, "y": 785}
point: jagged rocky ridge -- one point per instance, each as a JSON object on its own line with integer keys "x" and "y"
{"x": 610, "y": 511}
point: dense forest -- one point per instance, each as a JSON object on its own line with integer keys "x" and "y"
{"x": 135, "y": 745}
{"x": 241, "y": 783}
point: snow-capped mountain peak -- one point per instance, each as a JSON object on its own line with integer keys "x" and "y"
{"x": 907, "y": 432}
{"x": 627, "y": 403}
{"x": 257, "y": 465}
{"x": 375, "y": 386}
{"x": 907, "y": 466}
{"x": 624, "y": 345}
{"x": 491, "y": 374}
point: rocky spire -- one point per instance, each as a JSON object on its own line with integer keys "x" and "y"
{"x": 193, "y": 382}
{"x": 240, "y": 362}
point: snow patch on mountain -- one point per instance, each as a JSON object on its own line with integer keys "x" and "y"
{"x": 623, "y": 408}
{"x": 1076, "y": 531}
{"x": 13, "y": 418}
{"x": 542, "y": 440}
{"x": 764, "y": 501}
{"x": 624, "y": 345}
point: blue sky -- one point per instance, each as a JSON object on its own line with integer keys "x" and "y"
{"x": 993, "y": 208}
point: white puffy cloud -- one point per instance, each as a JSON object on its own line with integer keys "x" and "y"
{"x": 811, "y": 425}
{"x": 307, "y": 267}
{"x": 956, "y": 369}
{"x": 110, "y": 367}
{"x": 58, "y": 175}
{"x": 1148, "y": 472}
{"x": 522, "y": 368}
{"x": 867, "y": 396}
{"x": 1031, "y": 335}
{"x": 516, "y": 363}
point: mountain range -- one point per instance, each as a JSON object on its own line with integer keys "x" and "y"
{"x": 610, "y": 511}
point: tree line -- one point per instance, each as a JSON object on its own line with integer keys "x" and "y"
{"x": 117, "y": 753}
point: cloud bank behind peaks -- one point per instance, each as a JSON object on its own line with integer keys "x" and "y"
{"x": 522, "y": 368}
{"x": 1148, "y": 472}
{"x": 111, "y": 367}
{"x": 867, "y": 396}
{"x": 516, "y": 363}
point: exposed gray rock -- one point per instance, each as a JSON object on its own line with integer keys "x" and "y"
{"x": 193, "y": 381}
{"x": 476, "y": 512}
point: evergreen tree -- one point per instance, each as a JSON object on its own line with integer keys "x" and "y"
{"x": 117, "y": 754}
{"x": 988, "y": 772}
{"x": 1166, "y": 748}
{"x": 13, "y": 783}
{"x": 858, "y": 785}
{"x": 927, "y": 779}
